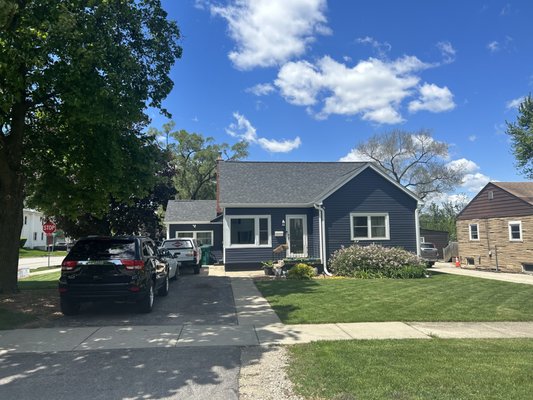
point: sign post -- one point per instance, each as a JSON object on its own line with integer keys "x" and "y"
{"x": 49, "y": 228}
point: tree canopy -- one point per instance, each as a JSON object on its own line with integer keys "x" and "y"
{"x": 76, "y": 78}
{"x": 442, "y": 217}
{"x": 195, "y": 160}
{"x": 521, "y": 133}
{"x": 413, "y": 159}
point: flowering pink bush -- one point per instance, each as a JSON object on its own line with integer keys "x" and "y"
{"x": 375, "y": 261}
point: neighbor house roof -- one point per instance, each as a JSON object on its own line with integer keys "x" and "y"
{"x": 284, "y": 183}
{"x": 189, "y": 211}
{"x": 522, "y": 190}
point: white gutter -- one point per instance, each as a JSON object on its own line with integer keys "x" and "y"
{"x": 168, "y": 231}
{"x": 322, "y": 234}
{"x": 417, "y": 228}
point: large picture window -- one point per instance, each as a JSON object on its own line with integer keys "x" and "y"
{"x": 249, "y": 231}
{"x": 371, "y": 226}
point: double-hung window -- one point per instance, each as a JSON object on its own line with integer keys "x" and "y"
{"x": 515, "y": 231}
{"x": 369, "y": 226}
{"x": 249, "y": 231}
{"x": 474, "y": 231}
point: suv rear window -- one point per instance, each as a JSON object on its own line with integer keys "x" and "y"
{"x": 427, "y": 246}
{"x": 177, "y": 244}
{"x": 103, "y": 249}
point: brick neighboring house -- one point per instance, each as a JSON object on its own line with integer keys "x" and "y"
{"x": 495, "y": 230}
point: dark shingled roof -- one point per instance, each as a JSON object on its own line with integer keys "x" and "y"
{"x": 522, "y": 190}
{"x": 191, "y": 210}
{"x": 280, "y": 182}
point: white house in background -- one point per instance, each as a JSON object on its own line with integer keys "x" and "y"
{"x": 32, "y": 229}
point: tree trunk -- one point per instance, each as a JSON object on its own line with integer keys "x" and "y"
{"x": 11, "y": 199}
{"x": 11, "y": 205}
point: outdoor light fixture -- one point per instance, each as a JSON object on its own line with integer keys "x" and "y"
{"x": 283, "y": 223}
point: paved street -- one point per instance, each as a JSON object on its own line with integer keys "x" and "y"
{"x": 36, "y": 262}
{"x": 186, "y": 373}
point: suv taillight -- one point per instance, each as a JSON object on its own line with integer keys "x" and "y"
{"x": 68, "y": 265}
{"x": 133, "y": 264}
{"x": 195, "y": 253}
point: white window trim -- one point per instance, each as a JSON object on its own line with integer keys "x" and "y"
{"x": 227, "y": 231}
{"x": 470, "y": 232}
{"x": 519, "y": 223}
{"x": 369, "y": 225}
{"x": 194, "y": 236}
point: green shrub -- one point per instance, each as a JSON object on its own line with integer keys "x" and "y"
{"x": 301, "y": 272}
{"x": 22, "y": 242}
{"x": 375, "y": 261}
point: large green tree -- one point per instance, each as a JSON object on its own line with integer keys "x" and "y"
{"x": 76, "y": 78}
{"x": 413, "y": 159}
{"x": 195, "y": 158}
{"x": 521, "y": 133}
{"x": 136, "y": 215}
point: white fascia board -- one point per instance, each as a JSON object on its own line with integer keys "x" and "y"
{"x": 191, "y": 222}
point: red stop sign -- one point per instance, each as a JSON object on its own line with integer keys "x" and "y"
{"x": 49, "y": 227}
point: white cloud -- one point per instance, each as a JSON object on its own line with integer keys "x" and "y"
{"x": 464, "y": 165}
{"x": 447, "y": 51}
{"x": 493, "y": 46}
{"x": 243, "y": 129}
{"x": 473, "y": 180}
{"x": 271, "y": 32}
{"x": 473, "y": 183}
{"x": 472, "y": 138}
{"x": 261, "y": 89}
{"x": 381, "y": 48}
{"x": 373, "y": 88}
{"x": 433, "y": 98}
{"x": 355, "y": 156}
{"x": 514, "y": 103}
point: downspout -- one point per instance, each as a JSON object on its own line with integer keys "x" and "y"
{"x": 168, "y": 231}
{"x": 322, "y": 234}
{"x": 417, "y": 228}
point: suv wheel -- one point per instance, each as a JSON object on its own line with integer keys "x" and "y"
{"x": 69, "y": 307}
{"x": 197, "y": 269}
{"x": 163, "y": 290}
{"x": 147, "y": 302}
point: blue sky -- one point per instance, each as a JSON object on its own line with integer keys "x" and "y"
{"x": 306, "y": 80}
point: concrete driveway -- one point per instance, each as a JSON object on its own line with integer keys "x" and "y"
{"x": 192, "y": 299}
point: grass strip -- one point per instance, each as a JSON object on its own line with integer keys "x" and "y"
{"x": 443, "y": 369}
{"x": 439, "y": 298}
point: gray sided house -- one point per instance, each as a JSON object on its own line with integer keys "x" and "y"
{"x": 305, "y": 209}
{"x": 195, "y": 219}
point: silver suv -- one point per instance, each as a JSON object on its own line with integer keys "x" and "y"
{"x": 186, "y": 251}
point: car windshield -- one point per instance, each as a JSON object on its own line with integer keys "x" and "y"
{"x": 177, "y": 244}
{"x": 427, "y": 246}
{"x": 103, "y": 249}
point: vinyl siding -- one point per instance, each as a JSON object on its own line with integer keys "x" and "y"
{"x": 277, "y": 215}
{"x": 503, "y": 204}
{"x": 370, "y": 192}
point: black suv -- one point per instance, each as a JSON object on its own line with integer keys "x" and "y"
{"x": 112, "y": 268}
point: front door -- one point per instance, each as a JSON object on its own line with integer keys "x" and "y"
{"x": 296, "y": 236}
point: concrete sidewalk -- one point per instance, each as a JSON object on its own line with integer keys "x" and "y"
{"x": 449, "y": 268}
{"x": 257, "y": 325}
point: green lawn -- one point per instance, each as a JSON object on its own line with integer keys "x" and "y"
{"x": 439, "y": 298}
{"x": 40, "y": 281}
{"x": 25, "y": 253}
{"x": 436, "y": 369}
{"x": 30, "y": 300}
